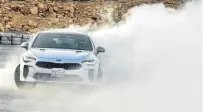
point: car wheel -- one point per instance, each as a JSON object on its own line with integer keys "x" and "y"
{"x": 21, "y": 84}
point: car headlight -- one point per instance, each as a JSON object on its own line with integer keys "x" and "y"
{"x": 28, "y": 59}
{"x": 89, "y": 62}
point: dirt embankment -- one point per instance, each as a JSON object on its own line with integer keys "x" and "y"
{"x": 32, "y": 16}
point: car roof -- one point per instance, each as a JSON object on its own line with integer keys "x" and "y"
{"x": 64, "y": 32}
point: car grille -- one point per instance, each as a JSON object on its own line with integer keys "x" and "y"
{"x": 48, "y": 77}
{"x": 66, "y": 66}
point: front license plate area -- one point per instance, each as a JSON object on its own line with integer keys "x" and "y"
{"x": 58, "y": 73}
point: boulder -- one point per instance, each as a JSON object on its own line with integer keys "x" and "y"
{"x": 11, "y": 24}
{"x": 6, "y": 19}
{"x": 25, "y": 28}
{"x": 41, "y": 6}
{"x": 56, "y": 9}
{"x": 8, "y": 26}
{"x": 54, "y": 20}
{"x": 32, "y": 24}
{"x": 7, "y": 8}
{"x": 54, "y": 15}
{"x": 15, "y": 7}
{"x": 51, "y": 10}
{"x": 59, "y": 16}
{"x": 4, "y": 1}
{"x": 34, "y": 10}
{"x": 25, "y": 10}
{"x": 33, "y": 30}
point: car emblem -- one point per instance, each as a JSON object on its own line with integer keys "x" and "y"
{"x": 58, "y": 60}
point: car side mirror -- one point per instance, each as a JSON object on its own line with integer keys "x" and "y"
{"x": 24, "y": 45}
{"x": 100, "y": 49}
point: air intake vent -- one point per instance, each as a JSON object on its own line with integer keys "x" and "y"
{"x": 50, "y": 65}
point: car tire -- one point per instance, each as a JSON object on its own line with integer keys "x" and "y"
{"x": 6, "y": 38}
{"x": 16, "y": 42}
{"x": 25, "y": 40}
{"x": 21, "y": 84}
{"x": 16, "y": 39}
{"x": 6, "y": 42}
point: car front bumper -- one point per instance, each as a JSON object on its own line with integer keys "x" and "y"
{"x": 29, "y": 72}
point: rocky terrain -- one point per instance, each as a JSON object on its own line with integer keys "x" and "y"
{"x": 32, "y": 16}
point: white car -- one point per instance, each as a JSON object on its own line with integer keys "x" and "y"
{"x": 59, "y": 57}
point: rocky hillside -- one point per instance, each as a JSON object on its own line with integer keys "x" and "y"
{"x": 32, "y": 16}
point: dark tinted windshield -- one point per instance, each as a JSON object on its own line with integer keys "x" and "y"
{"x": 62, "y": 41}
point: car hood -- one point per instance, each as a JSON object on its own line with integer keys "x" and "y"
{"x": 59, "y": 53}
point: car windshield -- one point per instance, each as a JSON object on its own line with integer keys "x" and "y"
{"x": 63, "y": 41}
